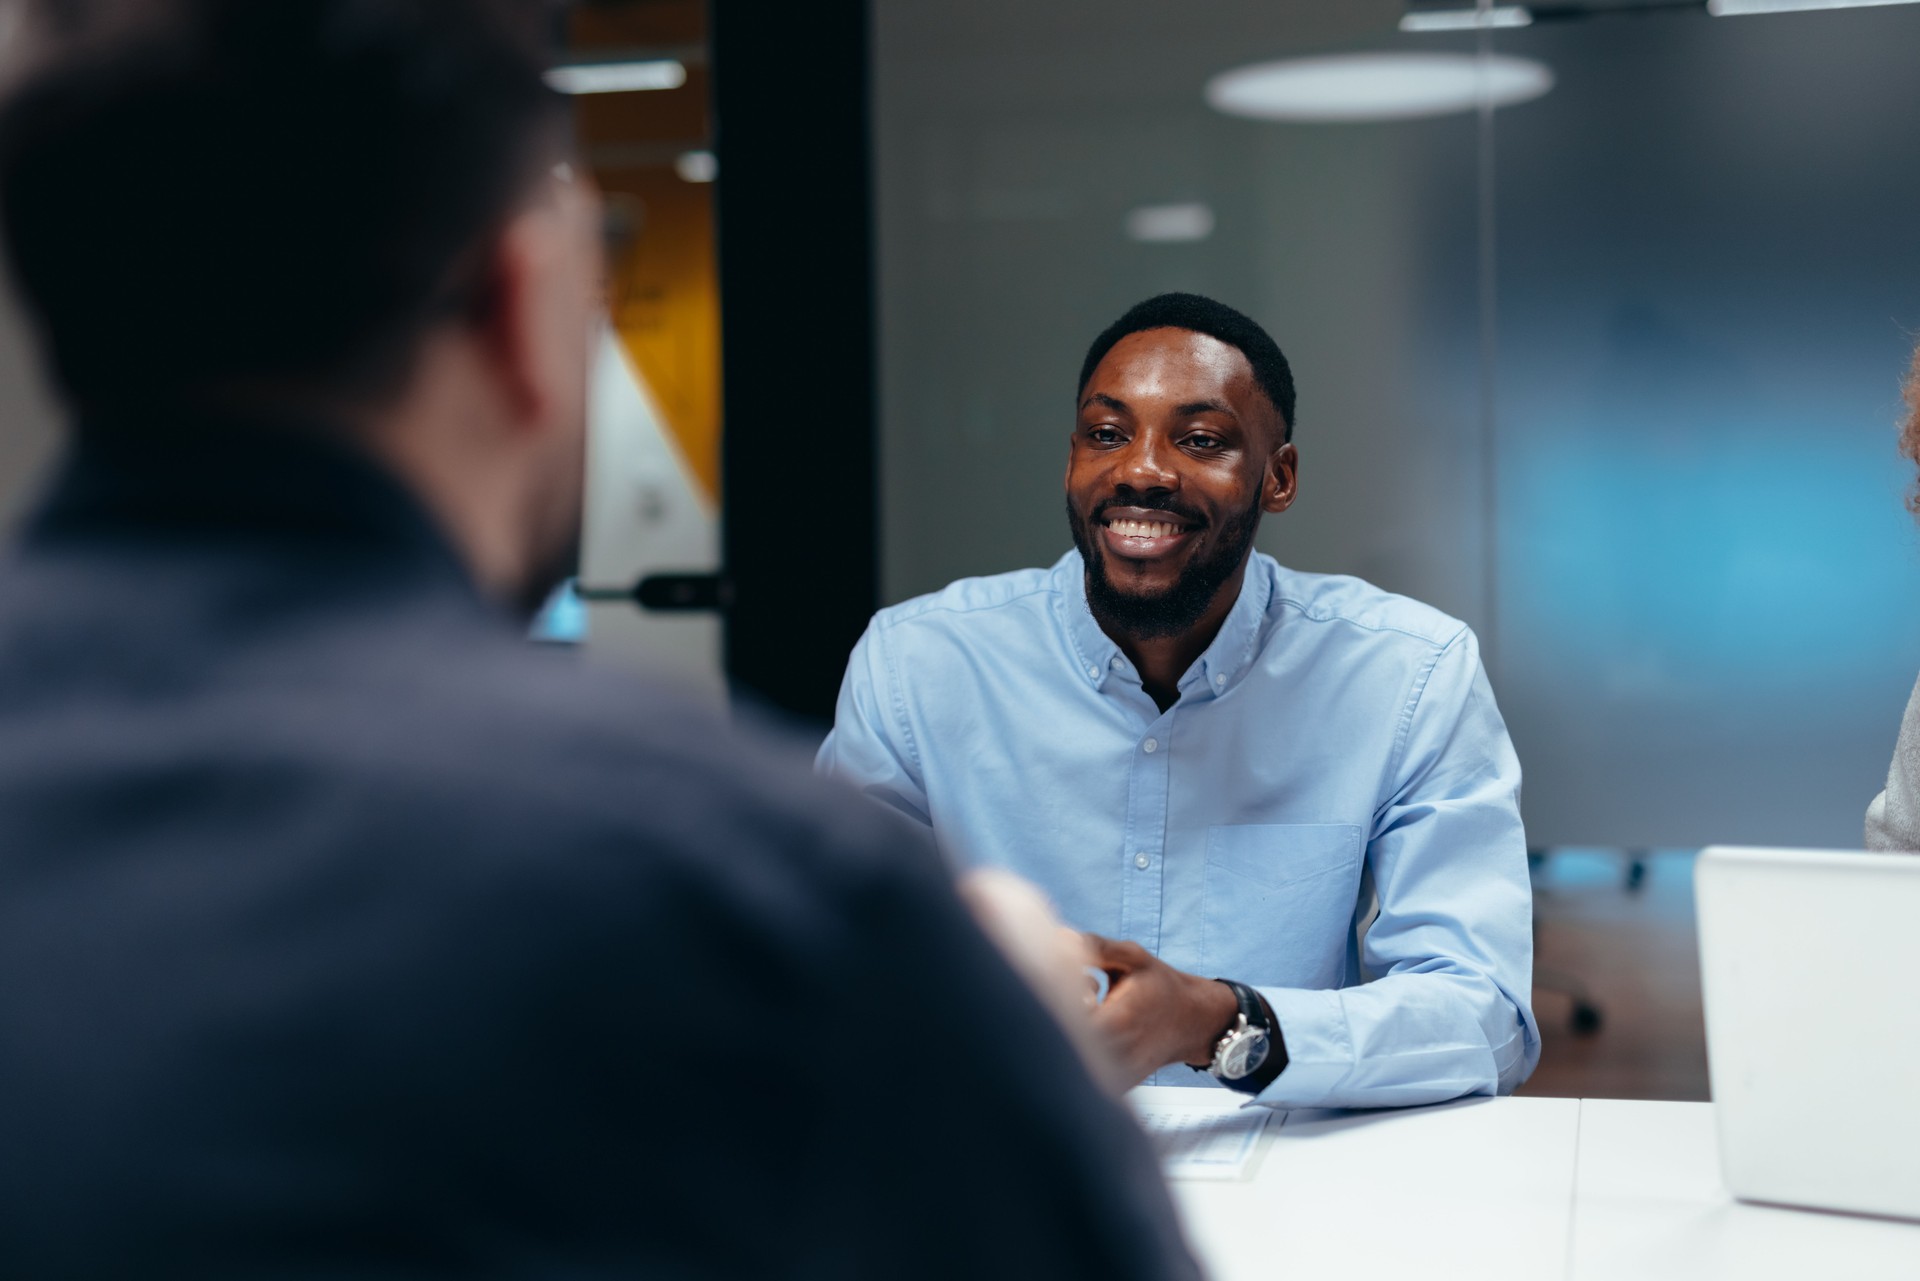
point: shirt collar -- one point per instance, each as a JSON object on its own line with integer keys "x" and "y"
{"x": 1097, "y": 658}
{"x": 1234, "y": 648}
{"x": 249, "y": 480}
{"x": 1092, "y": 650}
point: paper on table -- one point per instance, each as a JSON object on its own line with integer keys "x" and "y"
{"x": 1208, "y": 1138}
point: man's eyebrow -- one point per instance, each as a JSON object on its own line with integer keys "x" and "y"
{"x": 1101, "y": 398}
{"x": 1193, "y": 407}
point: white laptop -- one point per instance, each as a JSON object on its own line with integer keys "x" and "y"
{"x": 1811, "y": 964}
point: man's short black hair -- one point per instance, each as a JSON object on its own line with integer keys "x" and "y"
{"x": 246, "y": 195}
{"x": 1216, "y": 320}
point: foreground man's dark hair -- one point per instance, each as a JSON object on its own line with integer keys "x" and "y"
{"x": 250, "y": 195}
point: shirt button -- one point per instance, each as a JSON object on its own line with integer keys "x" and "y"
{"x": 1094, "y": 672}
{"x": 1220, "y": 679}
{"x": 1141, "y": 861}
{"x": 1114, "y": 662}
{"x": 1151, "y": 745}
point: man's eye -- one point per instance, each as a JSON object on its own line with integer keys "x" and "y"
{"x": 1200, "y": 440}
{"x": 1103, "y": 435}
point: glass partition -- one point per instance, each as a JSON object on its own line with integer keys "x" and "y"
{"x": 1676, "y": 520}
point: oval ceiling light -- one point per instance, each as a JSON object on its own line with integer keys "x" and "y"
{"x": 1170, "y": 224}
{"x": 1357, "y": 87}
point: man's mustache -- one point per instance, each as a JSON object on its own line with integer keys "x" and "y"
{"x": 1151, "y": 502}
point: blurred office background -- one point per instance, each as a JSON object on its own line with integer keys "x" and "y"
{"x": 1702, "y": 611}
{"x": 1674, "y": 515}
{"x": 1610, "y": 372}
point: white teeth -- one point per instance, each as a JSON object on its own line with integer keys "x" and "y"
{"x": 1142, "y": 528}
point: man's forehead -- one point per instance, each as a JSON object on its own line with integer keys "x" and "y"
{"x": 1175, "y": 356}
{"x": 1183, "y": 366}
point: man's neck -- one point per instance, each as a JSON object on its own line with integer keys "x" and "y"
{"x": 1163, "y": 660}
{"x": 445, "y": 440}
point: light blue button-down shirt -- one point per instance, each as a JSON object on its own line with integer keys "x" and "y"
{"x": 1334, "y": 743}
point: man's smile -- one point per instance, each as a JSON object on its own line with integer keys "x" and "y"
{"x": 1138, "y": 533}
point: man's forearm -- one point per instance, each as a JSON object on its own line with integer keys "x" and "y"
{"x": 1401, "y": 1040}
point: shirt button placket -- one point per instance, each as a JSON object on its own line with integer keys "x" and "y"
{"x": 1149, "y": 856}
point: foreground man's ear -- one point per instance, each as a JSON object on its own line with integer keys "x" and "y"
{"x": 543, "y": 276}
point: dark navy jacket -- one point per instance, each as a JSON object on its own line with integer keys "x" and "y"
{"x": 343, "y": 934}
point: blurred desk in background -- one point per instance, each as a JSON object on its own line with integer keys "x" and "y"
{"x": 1520, "y": 1189}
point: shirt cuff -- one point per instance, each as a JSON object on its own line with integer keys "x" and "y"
{"x": 1313, "y": 1027}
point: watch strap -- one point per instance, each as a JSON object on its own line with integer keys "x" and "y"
{"x": 1254, "y": 1009}
{"x": 1251, "y": 1005}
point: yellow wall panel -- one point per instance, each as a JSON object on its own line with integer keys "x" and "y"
{"x": 665, "y": 305}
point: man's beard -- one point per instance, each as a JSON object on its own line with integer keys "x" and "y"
{"x": 1176, "y": 610}
{"x": 556, "y": 565}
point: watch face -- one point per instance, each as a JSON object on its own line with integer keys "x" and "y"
{"x": 1243, "y": 1054}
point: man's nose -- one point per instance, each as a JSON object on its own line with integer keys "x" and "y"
{"x": 1146, "y": 467}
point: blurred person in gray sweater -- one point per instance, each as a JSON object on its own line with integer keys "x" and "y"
{"x": 342, "y": 932}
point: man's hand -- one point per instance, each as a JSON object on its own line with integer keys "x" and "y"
{"x": 1155, "y": 1015}
{"x": 1050, "y": 957}
{"x": 1054, "y": 960}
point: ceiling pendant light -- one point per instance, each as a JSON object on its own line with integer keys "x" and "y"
{"x": 1466, "y": 19}
{"x": 1360, "y": 87}
{"x": 617, "y": 77}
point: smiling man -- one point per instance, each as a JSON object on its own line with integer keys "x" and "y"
{"x": 1219, "y": 766}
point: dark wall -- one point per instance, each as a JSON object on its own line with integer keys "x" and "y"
{"x": 796, "y": 314}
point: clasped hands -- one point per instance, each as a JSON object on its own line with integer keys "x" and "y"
{"x": 1153, "y": 1015}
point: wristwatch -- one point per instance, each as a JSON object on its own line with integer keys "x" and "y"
{"x": 1246, "y": 1046}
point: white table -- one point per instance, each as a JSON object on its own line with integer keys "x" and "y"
{"x": 1527, "y": 1189}
{"x": 1648, "y": 1205}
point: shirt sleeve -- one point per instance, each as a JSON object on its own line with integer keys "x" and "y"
{"x": 1893, "y": 819}
{"x": 871, "y": 745}
{"x": 1449, "y": 1013}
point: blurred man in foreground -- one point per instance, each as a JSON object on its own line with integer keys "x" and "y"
{"x": 341, "y": 933}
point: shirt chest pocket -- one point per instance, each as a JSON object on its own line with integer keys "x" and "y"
{"x": 1279, "y": 902}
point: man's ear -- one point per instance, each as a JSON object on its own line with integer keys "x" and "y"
{"x": 1281, "y": 481}
{"x": 507, "y": 321}
{"x": 532, "y": 321}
